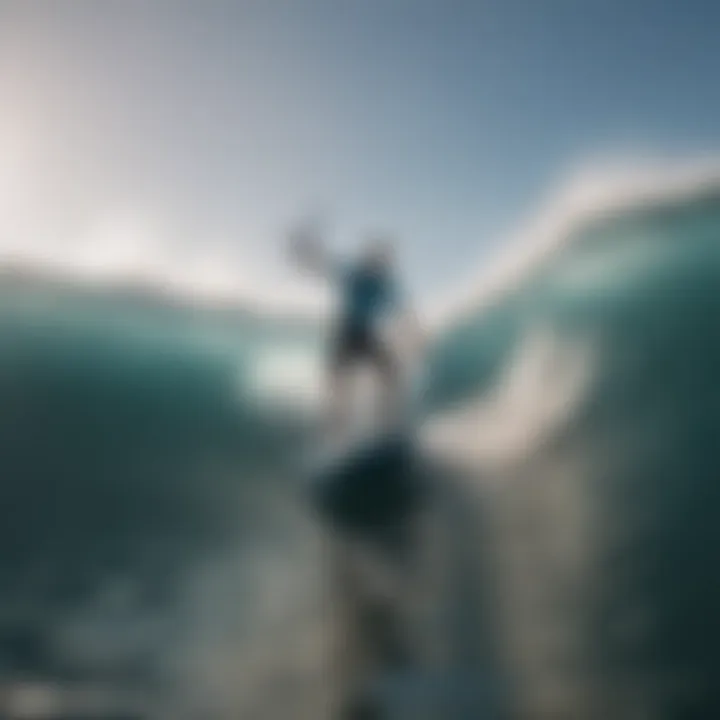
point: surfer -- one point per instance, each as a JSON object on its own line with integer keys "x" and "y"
{"x": 364, "y": 490}
{"x": 370, "y": 295}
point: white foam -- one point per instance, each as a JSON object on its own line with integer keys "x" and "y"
{"x": 543, "y": 385}
{"x": 125, "y": 251}
{"x": 591, "y": 192}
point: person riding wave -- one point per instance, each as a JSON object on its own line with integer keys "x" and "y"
{"x": 370, "y": 295}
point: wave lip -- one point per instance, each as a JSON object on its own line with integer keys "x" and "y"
{"x": 587, "y": 196}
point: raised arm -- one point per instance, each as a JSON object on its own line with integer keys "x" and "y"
{"x": 309, "y": 253}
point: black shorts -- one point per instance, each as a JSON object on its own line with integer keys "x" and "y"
{"x": 355, "y": 344}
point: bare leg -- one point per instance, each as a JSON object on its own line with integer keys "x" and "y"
{"x": 390, "y": 388}
{"x": 338, "y": 413}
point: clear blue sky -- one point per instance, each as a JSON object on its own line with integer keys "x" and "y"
{"x": 215, "y": 124}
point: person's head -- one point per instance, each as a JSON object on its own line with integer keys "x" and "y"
{"x": 379, "y": 253}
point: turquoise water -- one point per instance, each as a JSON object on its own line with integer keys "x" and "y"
{"x": 136, "y": 456}
{"x": 607, "y": 532}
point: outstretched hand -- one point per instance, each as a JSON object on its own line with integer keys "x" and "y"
{"x": 306, "y": 244}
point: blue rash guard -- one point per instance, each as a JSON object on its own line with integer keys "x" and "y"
{"x": 367, "y": 296}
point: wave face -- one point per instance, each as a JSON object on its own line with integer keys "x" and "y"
{"x": 152, "y": 552}
{"x": 583, "y": 404}
{"x": 156, "y": 562}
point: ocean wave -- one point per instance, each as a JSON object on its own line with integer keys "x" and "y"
{"x": 152, "y": 532}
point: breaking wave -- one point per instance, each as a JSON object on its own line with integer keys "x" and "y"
{"x": 153, "y": 546}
